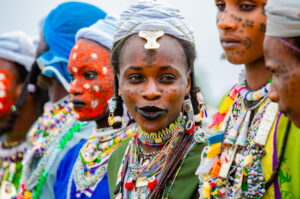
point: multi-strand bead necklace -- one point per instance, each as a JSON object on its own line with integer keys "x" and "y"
{"x": 141, "y": 170}
{"x": 237, "y": 171}
{"x": 11, "y": 156}
{"x": 91, "y": 165}
{"x": 47, "y": 138}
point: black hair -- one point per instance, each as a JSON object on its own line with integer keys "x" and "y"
{"x": 180, "y": 150}
{"x": 22, "y": 72}
{"x": 25, "y": 78}
{"x": 190, "y": 54}
{"x": 296, "y": 43}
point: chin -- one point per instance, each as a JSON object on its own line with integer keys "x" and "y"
{"x": 295, "y": 120}
{"x": 297, "y": 123}
{"x": 234, "y": 60}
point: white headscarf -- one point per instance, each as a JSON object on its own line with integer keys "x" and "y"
{"x": 102, "y": 31}
{"x": 18, "y": 47}
{"x": 282, "y": 18}
{"x": 153, "y": 15}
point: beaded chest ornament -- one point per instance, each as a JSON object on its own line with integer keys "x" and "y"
{"x": 237, "y": 171}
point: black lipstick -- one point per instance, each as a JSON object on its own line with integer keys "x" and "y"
{"x": 151, "y": 112}
{"x": 77, "y": 104}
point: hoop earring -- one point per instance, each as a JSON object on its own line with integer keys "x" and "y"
{"x": 188, "y": 109}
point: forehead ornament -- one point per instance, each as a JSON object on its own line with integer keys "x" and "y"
{"x": 151, "y": 36}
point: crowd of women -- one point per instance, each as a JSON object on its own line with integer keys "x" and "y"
{"x": 107, "y": 107}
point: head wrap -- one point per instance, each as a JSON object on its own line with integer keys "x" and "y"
{"x": 60, "y": 27}
{"x": 153, "y": 15}
{"x": 101, "y": 32}
{"x": 17, "y": 47}
{"x": 282, "y": 18}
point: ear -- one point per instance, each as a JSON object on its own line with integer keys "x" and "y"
{"x": 19, "y": 89}
{"x": 189, "y": 83}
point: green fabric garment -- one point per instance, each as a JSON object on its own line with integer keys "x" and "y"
{"x": 289, "y": 172}
{"x": 186, "y": 183}
{"x": 17, "y": 175}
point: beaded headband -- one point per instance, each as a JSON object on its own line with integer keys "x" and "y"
{"x": 289, "y": 45}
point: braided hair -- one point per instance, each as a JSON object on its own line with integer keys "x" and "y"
{"x": 178, "y": 153}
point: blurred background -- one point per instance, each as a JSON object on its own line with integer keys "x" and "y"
{"x": 214, "y": 75}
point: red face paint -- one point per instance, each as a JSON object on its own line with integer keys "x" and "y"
{"x": 5, "y": 100}
{"x": 92, "y": 83}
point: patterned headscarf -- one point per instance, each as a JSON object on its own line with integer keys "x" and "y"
{"x": 153, "y": 15}
{"x": 283, "y": 19}
{"x": 101, "y": 32}
{"x": 17, "y": 47}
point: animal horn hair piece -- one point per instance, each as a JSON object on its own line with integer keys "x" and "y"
{"x": 151, "y": 36}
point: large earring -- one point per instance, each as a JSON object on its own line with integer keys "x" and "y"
{"x": 188, "y": 109}
{"x": 113, "y": 121}
{"x": 202, "y": 108}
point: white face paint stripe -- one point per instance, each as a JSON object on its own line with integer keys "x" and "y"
{"x": 94, "y": 55}
{"x": 74, "y": 55}
{"x": 94, "y": 103}
{"x": 104, "y": 70}
{"x": 96, "y": 88}
{"x": 2, "y": 94}
{"x": 74, "y": 69}
{"x": 86, "y": 86}
{"x": 2, "y": 76}
{"x": 76, "y": 46}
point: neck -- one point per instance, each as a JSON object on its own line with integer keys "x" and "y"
{"x": 102, "y": 123}
{"x": 257, "y": 75}
{"x": 150, "y": 149}
{"x": 56, "y": 91}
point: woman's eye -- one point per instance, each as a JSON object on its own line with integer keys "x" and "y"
{"x": 135, "y": 78}
{"x": 167, "y": 78}
{"x": 221, "y": 6}
{"x": 247, "y": 7}
{"x": 90, "y": 75}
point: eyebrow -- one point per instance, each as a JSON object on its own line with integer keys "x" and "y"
{"x": 138, "y": 68}
{"x": 165, "y": 67}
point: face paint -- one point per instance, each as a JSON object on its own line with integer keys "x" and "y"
{"x": 285, "y": 68}
{"x": 92, "y": 84}
{"x": 5, "y": 100}
{"x": 241, "y": 26}
{"x": 153, "y": 91}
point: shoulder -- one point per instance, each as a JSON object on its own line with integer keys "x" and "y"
{"x": 186, "y": 176}
{"x": 114, "y": 164}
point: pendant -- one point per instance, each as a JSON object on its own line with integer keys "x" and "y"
{"x": 7, "y": 190}
{"x": 266, "y": 124}
{"x": 141, "y": 182}
{"x": 226, "y": 160}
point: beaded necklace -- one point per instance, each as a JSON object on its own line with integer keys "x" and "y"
{"x": 237, "y": 172}
{"x": 142, "y": 170}
{"x": 48, "y": 137}
{"x": 91, "y": 165}
{"x": 10, "y": 158}
{"x": 161, "y": 137}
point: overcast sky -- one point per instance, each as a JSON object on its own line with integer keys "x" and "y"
{"x": 215, "y": 76}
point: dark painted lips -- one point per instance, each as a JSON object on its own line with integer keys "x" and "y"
{"x": 230, "y": 42}
{"x": 78, "y": 104}
{"x": 151, "y": 112}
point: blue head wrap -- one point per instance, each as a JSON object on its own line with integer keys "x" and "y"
{"x": 60, "y": 27}
{"x": 101, "y": 32}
